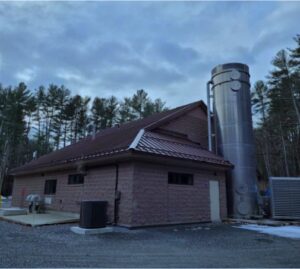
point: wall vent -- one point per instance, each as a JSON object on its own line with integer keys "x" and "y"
{"x": 285, "y": 197}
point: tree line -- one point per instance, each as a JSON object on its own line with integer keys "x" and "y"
{"x": 34, "y": 123}
{"x": 276, "y": 104}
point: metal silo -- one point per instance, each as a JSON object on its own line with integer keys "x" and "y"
{"x": 234, "y": 135}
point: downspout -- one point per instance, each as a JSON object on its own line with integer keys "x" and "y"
{"x": 215, "y": 134}
{"x": 117, "y": 196}
{"x": 208, "y": 115}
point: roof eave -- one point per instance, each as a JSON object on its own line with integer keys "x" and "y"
{"x": 129, "y": 155}
{"x": 117, "y": 157}
{"x": 149, "y": 157}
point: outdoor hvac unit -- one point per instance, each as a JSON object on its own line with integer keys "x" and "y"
{"x": 93, "y": 214}
{"x": 285, "y": 197}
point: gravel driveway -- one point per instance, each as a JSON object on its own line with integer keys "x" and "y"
{"x": 177, "y": 246}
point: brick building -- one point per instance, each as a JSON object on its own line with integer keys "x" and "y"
{"x": 151, "y": 171}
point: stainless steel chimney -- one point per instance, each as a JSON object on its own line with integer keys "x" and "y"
{"x": 233, "y": 121}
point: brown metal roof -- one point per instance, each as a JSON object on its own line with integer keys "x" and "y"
{"x": 176, "y": 147}
{"x": 119, "y": 139}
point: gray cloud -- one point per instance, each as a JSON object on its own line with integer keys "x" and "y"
{"x": 167, "y": 48}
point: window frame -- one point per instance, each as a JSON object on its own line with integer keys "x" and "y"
{"x": 50, "y": 190}
{"x": 180, "y": 179}
{"x": 79, "y": 179}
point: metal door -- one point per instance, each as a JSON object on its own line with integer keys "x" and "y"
{"x": 214, "y": 195}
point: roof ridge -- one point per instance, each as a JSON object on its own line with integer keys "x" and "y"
{"x": 137, "y": 139}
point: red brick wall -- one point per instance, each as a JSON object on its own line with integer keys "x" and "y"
{"x": 23, "y": 186}
{"x": 125, "y": 187}
{"x": 99, "y": 184}
{"x": 193, "y": 124}
{"x": 157, "y": 202}
{"x": 146, "y": 196}
{"x": 223, "y": 197}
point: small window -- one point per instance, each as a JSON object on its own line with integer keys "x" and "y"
{"x": 180, "y": 179}
{"x": 76, "y": 179}
{"x": 50, "y": 186}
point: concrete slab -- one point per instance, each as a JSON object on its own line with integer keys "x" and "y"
{"x": 12, "y": 211}
{"x": 47, "y": 218}
{"x": 83, "y": 231}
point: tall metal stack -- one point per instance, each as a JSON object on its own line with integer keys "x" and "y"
{"x": 234, "y": 134}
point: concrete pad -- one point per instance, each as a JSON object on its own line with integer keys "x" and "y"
{"x": 84, "y": 231}
{"x": 44, "y": 219}
{"x": 64, "y": 214}
{"x": 12, "y": 211}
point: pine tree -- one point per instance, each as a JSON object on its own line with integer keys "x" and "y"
{"x": 139, "y": 102}
{"x": 83, "y": 117}
{"x": 15, "y": 104}
{"x": 111, "y": 111}
{"x": 260, "y": 104}
{"x": 98, "y": 113}
{"x": 126, "y": 111}
{"x": 77, "y": 109}
{"x": 159, "y": 106}
{"x": 60, "y": 118}
{"x": 40, "y": 96}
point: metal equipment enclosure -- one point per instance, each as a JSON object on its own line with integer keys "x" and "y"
{"x": 93, "y": 214}
{"x": 285, "y": 197}
{"x": 234, "y": 134}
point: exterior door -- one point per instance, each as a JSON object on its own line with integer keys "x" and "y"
{"x": 214, "y": 195}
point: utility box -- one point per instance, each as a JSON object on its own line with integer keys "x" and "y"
{"x": 285, "y": 197}
{"x": 93, "y": 214}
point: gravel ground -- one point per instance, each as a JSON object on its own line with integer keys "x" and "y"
{"x": 176, "y": 246}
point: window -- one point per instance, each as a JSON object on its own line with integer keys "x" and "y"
{"x": 50, "y": 186}
{"x": 76, "y": 179}
{"x": 180, "y": 179}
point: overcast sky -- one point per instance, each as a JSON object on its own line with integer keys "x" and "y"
{"x": 166, "y": 48}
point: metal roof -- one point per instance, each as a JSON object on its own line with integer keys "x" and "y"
{"x": 125, "y": 137}
{"x": 177, "y": 147}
